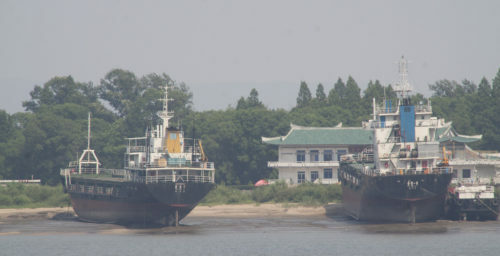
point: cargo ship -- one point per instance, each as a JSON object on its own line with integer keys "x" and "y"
{"x": 403, "y": 176}
{"x": 165, "y": 176}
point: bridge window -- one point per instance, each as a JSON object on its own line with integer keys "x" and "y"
{"x": 466, "y": 173}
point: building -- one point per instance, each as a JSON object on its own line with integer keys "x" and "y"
{"x": 312, "y": 154}
{"x": 469, "y": 166}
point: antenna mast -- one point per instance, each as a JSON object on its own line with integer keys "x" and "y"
{"x": 88, "y": 136}
{"x": 403, "y": 87}
{"x": 165, "y": 115}
{"x": 92, "y": 162}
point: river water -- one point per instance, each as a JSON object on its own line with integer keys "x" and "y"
{"x": 251, "y": 236}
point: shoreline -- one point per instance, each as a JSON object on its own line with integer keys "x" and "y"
{"x": 227, "y": 210}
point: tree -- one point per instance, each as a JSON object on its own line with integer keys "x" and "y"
{"x": 241, "y": 104}
{"x": 484, "y": 88}
{"x": 304, "y": 97}
{"x": 60, "y": 90}
{"x": 352, "y": 99}
{"x": 251, "y": 101}
{"x": 447, "y": 88}
{"x": 120, "y": 88}
{"x": 469, "y": 86}
{"x": 11, "y": 143}
{"x": 495, "y": 90}
{"x": 320, "y": 94}
{"x": 337, "y": 94}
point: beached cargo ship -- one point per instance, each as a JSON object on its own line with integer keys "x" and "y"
{"x": 164, "y": 177}
{"x": 402, "y": 178}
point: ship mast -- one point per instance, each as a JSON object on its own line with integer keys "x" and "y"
{"x": 403, "y": 87}
{"x": 89, "y": 154}
{"x": 165, "y": 115}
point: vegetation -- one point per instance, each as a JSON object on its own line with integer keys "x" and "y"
{"x": 307, "y": 194}
{"x": 52, "y": 131}
{"x": 32, "y": 196}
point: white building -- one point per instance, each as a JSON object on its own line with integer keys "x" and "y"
{"x": 312, "y": 154}
{"x": 469, "y": 166}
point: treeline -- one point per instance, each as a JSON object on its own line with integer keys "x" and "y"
{"x": 53, "y": 132}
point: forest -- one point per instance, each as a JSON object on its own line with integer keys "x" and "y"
{"x": 53, "y": 128}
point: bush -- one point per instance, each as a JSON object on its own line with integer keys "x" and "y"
{"x": 304, "y": 194}
{"x": 226, "y": 195}
{"x": 28, "y": 195}
{"x": 5, "y": 200}
{"x": 21, "y": 200}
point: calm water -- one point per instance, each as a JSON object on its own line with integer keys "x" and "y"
{"x": 267, "y": 236}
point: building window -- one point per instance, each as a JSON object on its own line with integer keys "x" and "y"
{"x": 466, "y": 173}
{"x": 301, "y": 177}
{"x": 327, "y": 155}
{"x": 455, "y": 172}
{"x": 340, "y": 153}
{"x": 301, "y": 156}
{"x": 327, "y": 173}
{"x": 314, "y": 155}
{"x": 314, "y": 175}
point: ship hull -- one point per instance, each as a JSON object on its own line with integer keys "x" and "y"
{"x": 471, "y": 209}
{"x": 128, "y": 203}
{"x": 397, "y": 198}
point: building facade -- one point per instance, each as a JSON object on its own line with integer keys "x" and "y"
{"x": 312, "y": 154}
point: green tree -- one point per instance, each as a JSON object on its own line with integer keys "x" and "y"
{"x": 60, "y": 90}
{"x": 304, "y": 97}
{"x": 11, "y": 142}
{"x": 320, "y": 94}
{"x": 337, "y": 93}
{"x": 120, "y": 88}
{"x": 484, "y": 88}
{"x": 251, "y": 101}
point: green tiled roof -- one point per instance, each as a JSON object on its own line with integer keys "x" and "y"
{"x": 447, "y": 133}
{"x": 440, "y": 131}
{"x": 323, "y": 136}
{"x": 460, "y": 139}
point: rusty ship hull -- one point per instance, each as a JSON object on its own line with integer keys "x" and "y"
{"x": 130, "y": 203}
{"x": 396, "y": 198}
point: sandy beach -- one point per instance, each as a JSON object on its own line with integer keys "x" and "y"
{"x": 229, "y": 211}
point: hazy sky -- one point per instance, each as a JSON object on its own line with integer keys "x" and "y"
{"x": 222, "y": 49}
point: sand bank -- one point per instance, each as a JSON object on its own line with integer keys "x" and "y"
{"x": 252, "y": 210}
{"x": 229, "y": 211}
{"x": 33, "y": 213}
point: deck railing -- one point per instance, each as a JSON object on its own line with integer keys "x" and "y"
{"x": 179, "y": 178}
{"x": 376, "y": 172}
{"x": 140, "y": 176}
